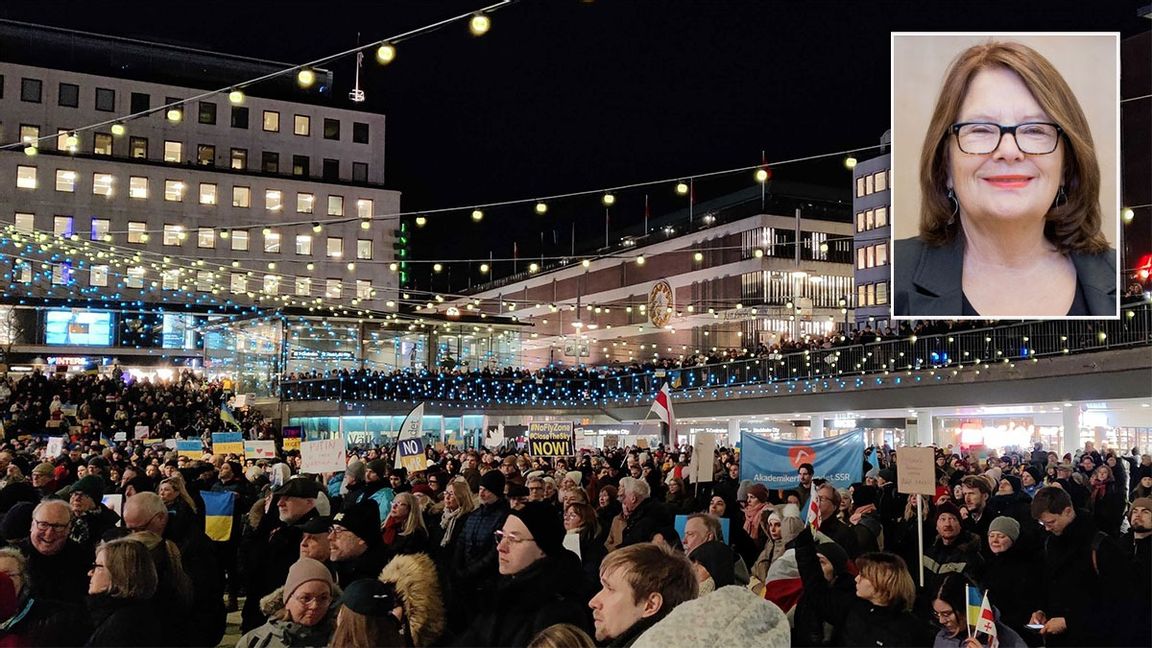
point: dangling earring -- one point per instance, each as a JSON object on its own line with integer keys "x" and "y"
{"x": 1061, "y": 198}
{"x": 955, "y": 206}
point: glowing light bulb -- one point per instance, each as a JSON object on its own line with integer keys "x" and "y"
{"x": 541, "y": 208}
{"x": 608, "y": 200}
{"x": 640, "y": 260}
{"x": 236, "y": 96}
{"x": 681, "y": 188}
{"x": 305, "y": 78}
{"x": 698, "y": 257}
{"x": 174, "y": 114}
{"x": 421, "y": 221}
{"x": 484, "y": 268}
{"x": 386, "y": 53}
{"x": 477, "y": 215}
{"x": 118, "y": 129}
{"x": 762, "y": 175}
{"x": 479, "y": 24}
{"x": 850, "y": 162}
{"x": 436, "y": 267}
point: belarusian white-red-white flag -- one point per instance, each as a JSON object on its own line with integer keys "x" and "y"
{"x": 813, "y": 518}
{"x": 663, "y": 406}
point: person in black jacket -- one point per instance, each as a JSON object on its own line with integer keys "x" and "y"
{"x": 644, "y": 516}
{"x": 878, "y": 614}
{"x": 120, "y": 598}
{"x": 474, "y": 562}
{"x": 1009, "y": 573}
{"x": 56, "y": 564}
{"x": 355, "y": 548}
{"x": 1106, "y": 501}
{"x": 830, "y": 525}
{"x": 404, "y": 531}
{"x": 539, "y": 582}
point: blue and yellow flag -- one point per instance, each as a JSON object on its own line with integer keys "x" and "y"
{"x": 218, "y": 509}
{"x": 227, "y": 416}
{"x": 105, "y": 441}
{"x": 974, "y": 602}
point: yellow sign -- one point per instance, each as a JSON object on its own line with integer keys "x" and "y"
{"x": 661, "y": 304}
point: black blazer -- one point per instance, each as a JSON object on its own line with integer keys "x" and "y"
{"x": 926, "y": 280}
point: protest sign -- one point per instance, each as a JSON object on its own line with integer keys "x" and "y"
{"x": 193, "y": 449}
{"x": 323, "y": 456}
{"x": 838, "y": 459}
{"x": 260, "y": 449}
{"x": 551, "y": 439}
{"x": 917, "y": 471}
{"x": 226, "y": 443}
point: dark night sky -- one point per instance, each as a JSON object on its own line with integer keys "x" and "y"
{"x": 564, "y": 95}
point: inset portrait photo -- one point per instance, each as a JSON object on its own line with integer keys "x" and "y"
{"x": 1005, "y": 175}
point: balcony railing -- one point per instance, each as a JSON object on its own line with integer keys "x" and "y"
{"x": 1003, "y": 343}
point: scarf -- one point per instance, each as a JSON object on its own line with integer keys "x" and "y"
{"x": 448, "y": 523}
{"x": 752, "y": 519}
{"x": 390, "y": 526}
{"x": 1099, "y": 489}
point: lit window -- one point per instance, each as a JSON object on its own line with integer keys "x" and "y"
{"x": 134, "y": 278}
{"x": 241, "y": 196}
{"x": 61, "y": 273}
{"x": 272, "y": 243}
{"x": 62, "y": 135}
{"x": 102, "y": 144}
{"x": 882, "y": 293}
{"x": 868, "y": 184}
{"x": 62, "y": 226}
{"x": 881, "y": 180}
{"x": 239, "y": 282}
{"x": 302, "y": 125}
{"x": 305, "y": 202}
{"x": 137, "y": 232}
{"x": 23, "y": 271}
{"x": 859, "y": 186}
{"x": 138, "y": 147}
{"x": 98, "y": 276}
{"x": 30, "y": 134}
{"x": 870, "y": 294}
{"x": 271, "y": 284}
{"x": 170, "y": 279}
{"x": 335, "y": 247}
{"x": 25, "y": 222}
{"x": 206, "y": 238}
{"x": 271, "y": 121}
{"x": 364, "y": 208}
{"x": 304, "y": 244}
{"x": 65, "y": 180}
{"x": 102, "y": 184}
{"x": 173, "y": 190}
{"x": 859, "y": 221}
{"x": 273, "y": 199}
{"x": 363, "y": 289}
{"x": 882, "y": 254}
{"x": 204, "y": 280}
{"x": 25, "y": 177}
{"x": 137, "y": 187}
{"x": 335, "y": 205}
{"x": 870, "y": 219}
{"x": 871, "y": 256}
{"x": 860, "y": 258}
{"x": 881, "y": 217}
{"x": 364, "y": 249}
{"x": 240, "y": 240}
{"x": 173, "y": 151}
{"x": 207, "y": 193}
{"x": 239, "y": 159}
{"x": 100, "y": 228}
{"x": 333, "y": 289}
{"x": 303, "y": 286}
{"x": 173, "y": 234}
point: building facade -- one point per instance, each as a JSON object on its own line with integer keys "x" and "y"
{"x": 872, "y": 254}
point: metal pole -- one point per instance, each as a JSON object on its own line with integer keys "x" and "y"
{"x": 920, "y": 537}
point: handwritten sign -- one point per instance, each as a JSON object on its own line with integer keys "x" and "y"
{"x": 411, "y": 455}
{"x": 917, "y": 471}
{"x": 55, "y": 447}
{"x": 260, "y": 449}
{"x": 141, "y": 432}
{"x": 323, "y": 456}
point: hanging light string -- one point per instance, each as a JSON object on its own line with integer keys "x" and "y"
{"x": 471, "y": 15}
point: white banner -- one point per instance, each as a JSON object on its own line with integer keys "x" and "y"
{"x": 324, "y": 456}
{"x": 412, "y": 428}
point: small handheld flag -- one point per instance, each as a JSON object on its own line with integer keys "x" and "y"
{"x": 813, "y": 518}
{"x": 974, "y": 603}
{"x": 987, "y": 622}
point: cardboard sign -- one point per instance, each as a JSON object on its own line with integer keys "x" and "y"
{"x": 551, "y": 439}
{"x": 611, "y": 441}
{"x": 701, "y": 464}
{"x": 141, "y": 432}
{"x": 260, "y": 449}
{"x": 226, "y": 443}
{"x": 324, "y": 456}
{"x": 410, "y": 455}
{"x": 193, "y": 449}
{"x": 916, "y": 474}
{"x": 55, "y": 447}
{"x": 120, "y": 436}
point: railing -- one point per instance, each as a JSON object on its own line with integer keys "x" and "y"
{"x": 1009, "y": 342}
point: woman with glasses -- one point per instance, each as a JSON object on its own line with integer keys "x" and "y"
{"x": 301, "y": 614}
{"x": 121, "y": 588}
{"x": 949, "y": 611}
{"x": 1010, "y": 221}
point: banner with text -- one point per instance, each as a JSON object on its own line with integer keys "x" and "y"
{"x": 226, "y": 443}
{"x": 838, "y": 459}
{"x": 411, "y": 430}
{"x": 551, "y": 439}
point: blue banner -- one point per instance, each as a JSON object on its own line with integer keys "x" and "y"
{"x": 839, "y": 459}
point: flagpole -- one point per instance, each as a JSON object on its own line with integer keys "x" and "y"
{"x": 920, "y": 538}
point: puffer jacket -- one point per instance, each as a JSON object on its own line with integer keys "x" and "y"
{"x": 280, "y": 633}
{"x": 729, "y": 616}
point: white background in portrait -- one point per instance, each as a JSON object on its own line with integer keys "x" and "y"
{"x": 1088, "y": 62}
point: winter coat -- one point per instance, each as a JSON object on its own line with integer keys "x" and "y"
{"x": 547, "y": 592}
{"x": 856, "y": 622}
{"x": 414, "y": 577}
{"x": 646, "y": 519}
{"x": 267, "y": 554}
{"x": 1009, "y": 578}
{"x": 366, "y": 565}
{"x": 49, "y": 623}
{"x": 729, "y": 616}
{"x": 62, "y": 577}
{"x": 415, "y": 542}
{"x": 841, "y": 534}
{"x": 960, "y": 557}
{"x": 1006, "y": 638}
{"x": 278, "y": 632}
{"x": 122, "y": 622}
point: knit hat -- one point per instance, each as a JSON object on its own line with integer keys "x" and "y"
{"x": 356, "y": 470}
{"x": 362, "y": 519}
{"x": 888, "y": 475}
{"x": 304, "y": 570}
{"x": 790, "y": 527}
{"x": 493, "y": 481}
{"x": 863, "y": 495}
{"x": 947, "y": 508}
{"x": 378, "y": 466}
{"x": 575, "y": 476}
{"x": 742, "y": 490}
{"x": 92, "y": 486}
{"x": 543, "y": 525}
{"x": 835, "y": 555}
{"x": 1017, "y": 485}
{"x": 516, "y": 490}
{"x": 717, "y": 558}
{"x": 729, "y": 616}
{"x": 1142, "y": 502}
{"x": 44, "y": 468}
{"x": 370, "y": 597}
{"x": 759, "y": 491}
{"x": 1006, "y": 525}
{"x": 1036, "y": 474}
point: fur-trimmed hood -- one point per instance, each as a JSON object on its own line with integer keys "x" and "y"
{"x": 415, "y": 579}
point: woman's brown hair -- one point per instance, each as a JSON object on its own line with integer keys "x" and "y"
{"x": 355, "y": 630}
{"x": 1072, "y": 226}
{"x": 889, "y": 575}
{"x": 131, "y": 571}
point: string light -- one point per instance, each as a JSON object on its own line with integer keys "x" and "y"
{"x": 682, "y": 188}
{"x": 762, "y": 175}
{"x": 479, "y": 24}
{"x": 175, "y": 114}
{"x": 421, "y": 221}
{"x": 386, "y": 53}
{"x": 305, "y": 78}
{"x": 118, "y": 129}
{"x": 484, "y": 268}
{"x": 541, "y": 208}
{"x": 850, "y": 162}
{"x": 608, "y": 200}
{"x": 477, "y": 215}
{"x": 236, "y": 96}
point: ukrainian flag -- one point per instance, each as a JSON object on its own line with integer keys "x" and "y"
{"x": 218, "y": 509}
{"x": 975, "y": 600}
{"x": 105, "y": 441}
{"x": 227, "y": 416}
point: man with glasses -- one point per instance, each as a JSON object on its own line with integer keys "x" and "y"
{"x": 354, "y": 542}
{"x": 57, "y": 566}
{"x": 539, "y": 582}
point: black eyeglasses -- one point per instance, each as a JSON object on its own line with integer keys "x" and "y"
{"x": 1032, "y": 138}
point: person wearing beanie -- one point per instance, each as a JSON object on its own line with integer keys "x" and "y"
{"x": 539, "y": 585}
{"x": 44, "y": 479}
{"x": 714, "y": 563}
{"x": 474, "y": 566}
{"x": 807, "y": 626}
{"x": 1031, "y": 480}
{"x": 366, "y": 616}
{"x": 355, "y": 543}
{"x": 302, "y": 613}
{"x": 954, "y": 549}
{"x": 374, "y": 486}
{"x": 1009, "y": 573}
{"x": 91, "y": 518}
